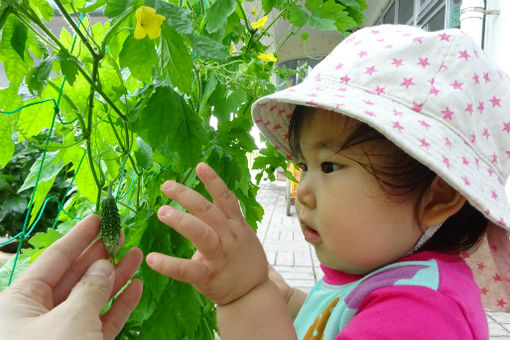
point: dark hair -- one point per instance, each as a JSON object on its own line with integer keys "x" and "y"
{"x": 401, "y": 176}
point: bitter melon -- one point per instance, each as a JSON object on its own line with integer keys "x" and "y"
{"x": 110, "y": 224}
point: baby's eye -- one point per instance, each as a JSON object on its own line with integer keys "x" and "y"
{"x": 328, "y": 167}
{"x": 302, "y": 166}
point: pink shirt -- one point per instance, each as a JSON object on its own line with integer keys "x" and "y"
{"x": 451, "y": 309}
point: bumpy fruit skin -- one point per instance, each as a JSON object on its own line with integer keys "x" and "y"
{"x": 110, "y": 225}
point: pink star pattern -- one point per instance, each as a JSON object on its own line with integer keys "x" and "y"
{"x": 424, "y": 62}
{"x": 434, "y": 91}
{"x": 345, "y": 79}
{"x": 506, "y": 127}
{"x": 486, "y": 133}
{"x": 362, "y": 54}
{"x": 407, "y": 82}
{"x": 424, "y": 143}
{"x": 486, "y": 77}
{"x": 464, "y": 54}
{"x": 445, "y": 37}
{"x": 417, "y": 107}
{"x": 370, "y": 70}
{"x": 456, "y": 85}
{"x": 481, "y": 106}
{"x": 379, "y": 90}
{"x": 447, "y": 113}
{"x": 446, "y": 161}
{"x": 476, "y": 78}
{"x": 396, "y": 125}
{"x": 424, "y": 124}
{"x": 495, "y": 101}
{"x": 397, "y": 62}
{"x": 469, "y": 108}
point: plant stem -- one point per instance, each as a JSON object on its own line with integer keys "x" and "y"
{"x": 3, "y": 16}
{"x": 124, "y": 149}
{"x": 88, "y": 134}
{"x": 76, "y": 28}
{"x": 240, "y": 4}
{"x": 27, "y": 24}
{"x": 112, "y": 30}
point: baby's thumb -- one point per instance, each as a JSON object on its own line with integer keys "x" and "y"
{"x": 95, "y": 287}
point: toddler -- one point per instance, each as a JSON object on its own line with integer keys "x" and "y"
{"x": 403, "y": 138}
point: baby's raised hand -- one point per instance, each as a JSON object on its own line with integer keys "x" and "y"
{"x": 229, "y": 261}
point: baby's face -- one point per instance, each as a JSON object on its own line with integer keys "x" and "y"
{"x": 352, "y": 223}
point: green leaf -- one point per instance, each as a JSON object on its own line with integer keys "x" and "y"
{"x": 44, "y": 239}
{"x": 34, "y": 118}
{"x": 144, "y": 154}
{"x": 176, "y": 17}
{"x": 176, "y": 59}
{"x": 139, "y": 56}
{"x": 38, "y": 76}
{"x": 68, "y": 65}
{"x": 227, "y": 103}
{"x": 322, "y": 24}
{"x": 114, "y": 8}
{"x": 207, "y": 47}
{"x": 50, "y": 169}
{"x": 6, "y": 143}
{"x": 169, "y": 126}
{"x": 297, "y": 16}
{"x": 209, "y": 88}
{"x": 43, "y": 8}
{"x": 267, "y": 5}
{"x": 19, "y": 38}
{"x": 216, "y": 14}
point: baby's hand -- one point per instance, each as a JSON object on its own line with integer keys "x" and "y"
{"x": 229, "y": 261}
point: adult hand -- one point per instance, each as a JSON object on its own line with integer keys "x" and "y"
{"x": 229, "y": 261}
{"x": 61, "y": 294}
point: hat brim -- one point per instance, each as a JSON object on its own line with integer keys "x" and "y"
{"x": 472, "y": 176}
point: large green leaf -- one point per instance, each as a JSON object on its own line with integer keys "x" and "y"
{"x": 114, "y": 8}
{"x": 176, "y": 59}
{"x": 208, "y": 48}
{"x": 50, "y": 169}
{"x": 19, "y": 38}
{"x": 176, "y": 17}
{"x": 43, "y": 8}
{"x": 6, "y": 143}
{"x": 68, "y": 65}
{"x": 216, "y": 14}
{"x": 169, "y": 126}
{"x": 139, "y": 56}
{"x": 33, "y": 119}
{"x": 38, "y": 76}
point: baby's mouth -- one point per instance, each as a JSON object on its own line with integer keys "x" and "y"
{"x": 311, "y": 235}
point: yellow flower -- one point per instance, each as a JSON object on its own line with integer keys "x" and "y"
{"x": 267, "y": 57}
{"x": 148, "y": 22}
{"x": 260, "y": 24}
{"x": 254, "y": 12}
{"x": 232, "y": 48}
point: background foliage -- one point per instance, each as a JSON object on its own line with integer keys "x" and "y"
{"x": 101, "y": 107}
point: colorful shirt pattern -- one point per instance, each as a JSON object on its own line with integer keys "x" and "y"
{"x": 423, "y": 296}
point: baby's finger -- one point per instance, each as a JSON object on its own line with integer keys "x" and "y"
{"x": 221, "y": 194}
{"x": 203, "y": 236}
{"x": 189, "y": 271}
{"x": 197, "y": 204}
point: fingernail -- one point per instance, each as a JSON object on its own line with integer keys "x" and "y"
{"x": 100, "y": 268}
{"x": 168, "y": 185}
{"x": 164, "y": 211}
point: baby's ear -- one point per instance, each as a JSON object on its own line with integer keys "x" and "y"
{"x": 439, "y": 202}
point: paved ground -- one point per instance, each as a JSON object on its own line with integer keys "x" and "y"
{"x": 294, "y": 258}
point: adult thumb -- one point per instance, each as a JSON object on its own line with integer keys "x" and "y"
{"x": 95, "y": 287}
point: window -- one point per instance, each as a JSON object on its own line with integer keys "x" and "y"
{"x": 405, "y": 11}
{"x": 431, "y": 15}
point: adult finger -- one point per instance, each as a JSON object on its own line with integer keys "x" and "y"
{"x": 94, "y": 289}
{"x": 221, "y": 194}
{"x": 126, "y": 268}
{"x": 202, "y": 235}
{"x": 117, "y": 315}
{"x": 190, "y": 271}
{"x": 54, "y": 262}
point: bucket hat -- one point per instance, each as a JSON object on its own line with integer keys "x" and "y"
{"x": 438, "y": 97}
